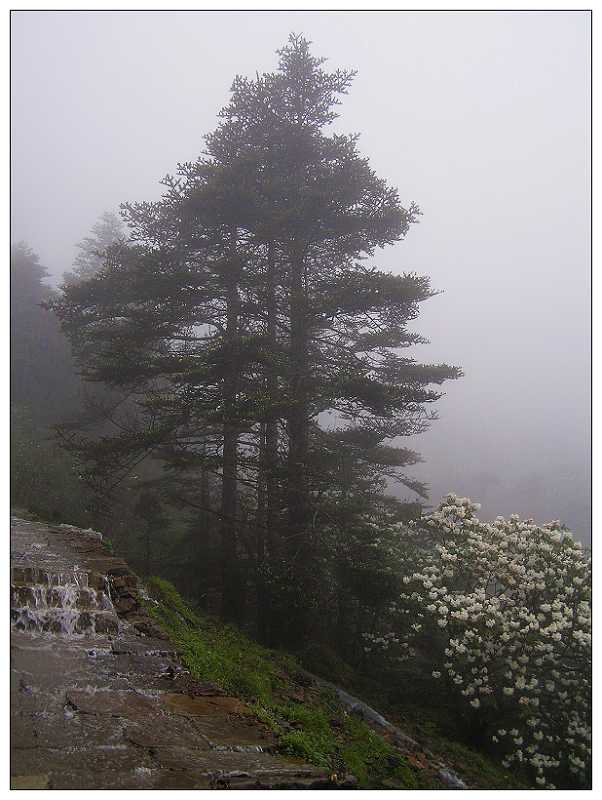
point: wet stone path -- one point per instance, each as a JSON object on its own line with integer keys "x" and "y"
{"x": 99, "y": 699}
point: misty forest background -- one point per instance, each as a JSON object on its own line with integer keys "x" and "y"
{"x": 227, "y": 386}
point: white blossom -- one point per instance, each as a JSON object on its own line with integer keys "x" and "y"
{"x": 520, "y": 632}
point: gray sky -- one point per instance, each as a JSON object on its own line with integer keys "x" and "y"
{"x": 481, "y": 118}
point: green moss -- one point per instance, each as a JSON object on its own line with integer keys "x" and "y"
{"x": 214, "y": 651}
{"x": 373, "y": 760}
{"x": 315, "y": 748}
{"x": 312, "y": 737}
{"x": 341, "y": 743}
{"x": 170, "y": 606}
{"x": 267, "y": 716}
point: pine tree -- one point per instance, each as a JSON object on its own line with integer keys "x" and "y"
{"x": 246, "y": 313}
{"x": 108, "y": 231}
{"x": 318, "y": 209}
{"x": 42, "y": 376}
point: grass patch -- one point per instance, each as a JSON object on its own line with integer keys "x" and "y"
{"x": 312, "y": 736}
{"x": 373, "y": 760}
{"x": 323, "y": 734}
{"x": 214, "y": 651}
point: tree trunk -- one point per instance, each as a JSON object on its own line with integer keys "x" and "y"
{"x": 271, "y": 428}
{"x": 262, "y": 622}
{"x": 231, "y": 591}
{"x": 204, "y": 523}
{"x": 298, "y": 533}
{"x": 270, "y": 461}
{"x": 147, "y": 550}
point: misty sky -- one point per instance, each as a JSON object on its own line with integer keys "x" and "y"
{"x": 481, "y": 118}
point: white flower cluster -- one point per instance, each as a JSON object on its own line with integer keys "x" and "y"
{"x": 509, "y": 601}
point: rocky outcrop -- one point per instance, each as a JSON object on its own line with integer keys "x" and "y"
{"x": 99, "y": 697}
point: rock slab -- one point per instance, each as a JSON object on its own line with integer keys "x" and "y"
{"x": 99, "y": 698}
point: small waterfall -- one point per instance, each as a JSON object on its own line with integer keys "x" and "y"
{"x": 62, "y": 603}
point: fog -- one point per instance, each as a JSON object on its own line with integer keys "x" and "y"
{"x": 481, "y": 118}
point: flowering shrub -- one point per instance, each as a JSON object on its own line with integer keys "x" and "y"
{"x": 504, "y": 610}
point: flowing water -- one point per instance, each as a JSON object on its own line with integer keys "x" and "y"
{"x": 62, "y": 603}
{"x": 99, "y": 702}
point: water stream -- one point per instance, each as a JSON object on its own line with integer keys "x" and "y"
{"x": 61, "y": 603}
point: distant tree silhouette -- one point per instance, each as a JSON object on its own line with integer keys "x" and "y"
{"x": 108, "y": 231}
{"x": 42, "y": 375}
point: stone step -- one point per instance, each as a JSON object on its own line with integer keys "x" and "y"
{"x": 40, "y": 576}
{"x": 71, "y": 596}
{"x": 64, "y": 621}
{"x": 78, "y": 777}
{"x": 236, "y": 769}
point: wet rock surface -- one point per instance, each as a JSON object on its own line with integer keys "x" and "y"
{"x": 99, "y": 698}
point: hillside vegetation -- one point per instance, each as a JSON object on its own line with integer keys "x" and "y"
{"x": 306, "y": 716}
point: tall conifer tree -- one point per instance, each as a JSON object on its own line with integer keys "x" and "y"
{"x": 248, "y": 310}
